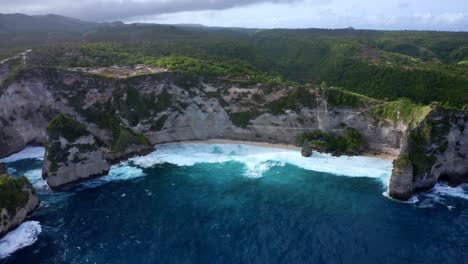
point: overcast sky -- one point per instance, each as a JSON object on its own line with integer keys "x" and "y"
{"x": 371, "y": 14}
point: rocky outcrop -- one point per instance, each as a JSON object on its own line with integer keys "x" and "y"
{"x": 124, "y": 117}
{"x": 161, "y": 109}
{"x": 81, "y": 160}
{"x": 306, "y": 150}
{"x": 435, "y": 150}
{"x": 18, "y": 199}
{"x": 3, "y": 169}
{"x": 72, "y": 155}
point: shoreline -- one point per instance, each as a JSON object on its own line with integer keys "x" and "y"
{"x": 384, "y": 156}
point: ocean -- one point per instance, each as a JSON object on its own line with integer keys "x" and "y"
{"x": 233, "y": 203}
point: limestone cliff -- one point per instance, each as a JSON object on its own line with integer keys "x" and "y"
{"x": 165, "y": 109}
{"x": 124, "y": 116}
{"x": 17, "y": 200}
{"x": 72, "y": 154}
{"x": 434, "y": 150}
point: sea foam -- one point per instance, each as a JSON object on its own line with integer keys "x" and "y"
{"x": 27, "y": 153}
{"x": 259, "y": 159}
{"x": 446, "y": 190}
{"x": 25, "y": 235}
{"x": 35, "y": 177}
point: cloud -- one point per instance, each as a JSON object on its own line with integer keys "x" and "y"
{"x": 381, "y": 14}
{"x": 404, "y": 5}
{"x": 108, "y": 10}
{"x": 445, "y": 18}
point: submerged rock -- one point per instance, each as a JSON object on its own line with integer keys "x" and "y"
{"x": 18, "y": 199}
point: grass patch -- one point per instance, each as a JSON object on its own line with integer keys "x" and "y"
{"x": 402, "y": 110}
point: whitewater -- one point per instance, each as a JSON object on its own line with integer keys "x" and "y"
{"x": 256, "y": 163}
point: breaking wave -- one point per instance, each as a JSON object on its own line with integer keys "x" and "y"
{"x": 25, "y": 235}
{"x": 259, "y": 159}
{"x": 27, "y": 153}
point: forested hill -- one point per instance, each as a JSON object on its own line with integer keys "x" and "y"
{"x": 424, "y": 66}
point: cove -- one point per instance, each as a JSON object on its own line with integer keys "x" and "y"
{"x": 231, "y": 203}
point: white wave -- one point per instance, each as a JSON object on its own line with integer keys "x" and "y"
{"x": 439, "y": 194}
{"x": 25, "y": 235}
{"x": 120, "y": 172}
{"x": 445, "y": 190}
{"x": 27, "y": 153}
{"x": 259, "y": 159}
{"x": 35, "y": 177}
{"x": 414, "y": 199}
{"x": 124, "y": 172}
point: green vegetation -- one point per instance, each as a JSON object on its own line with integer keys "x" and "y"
{"x": 402, "y": 110}
{"x": 14, "y": 193}
{"x": 426, "y": 141}
{"x": 242, "y": 119}
{"x": 295, "y": 99}
{"x": 67, "y": 127}
{"x": 16, "y": 70}
{"x": 339, "y": 98}
{"x": 421, "y": 65}
{"x": 122, "y": 137}
{"x": 70, "y": 129}
{"x": 128, "y": 104}
{"x": 126, "y": 138}
{"x": 350, "y": 142}
{"x": 401, "y": 162}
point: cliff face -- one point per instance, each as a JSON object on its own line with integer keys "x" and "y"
{"x": 165, "y": 109}
{"x": 125, "y": 116}
{"x": 17, "y": 200}
{"x": 434, "y": 150}
{"x": 72, "y": 154}
{"x": 24, "y": 114}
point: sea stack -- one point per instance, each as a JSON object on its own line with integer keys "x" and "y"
{"x": 18, "y": 199}
{"x": 72, "y": 153}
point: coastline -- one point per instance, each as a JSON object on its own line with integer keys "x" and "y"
{"x": 384, "y": 156}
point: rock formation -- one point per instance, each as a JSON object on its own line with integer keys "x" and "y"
{"x": 124, "y": 117}
{"x": 434, "y": 150}
{"x": 306, "y": 150}
{"x": 73, "y": 154}
{"x": 17, "y": 200}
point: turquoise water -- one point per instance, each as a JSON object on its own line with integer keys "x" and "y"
{"x": 238, "y": 204}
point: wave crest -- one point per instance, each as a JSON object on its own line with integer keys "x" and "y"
{"x": 27, "y": 153}
{"x": 25, "y": 235}
{"x": 259, "y": 159}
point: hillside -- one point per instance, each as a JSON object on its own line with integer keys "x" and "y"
{"x": 421, "y": 65}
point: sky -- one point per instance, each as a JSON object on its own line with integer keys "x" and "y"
{"x": 449, "y": 15}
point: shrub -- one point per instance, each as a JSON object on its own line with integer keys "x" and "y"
{"x": 12, "y": 192}
{"x": 350, "y": 141}
{"x": 67, "y": 127}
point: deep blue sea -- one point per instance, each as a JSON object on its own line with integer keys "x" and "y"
{"x": 199, "y": 203}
